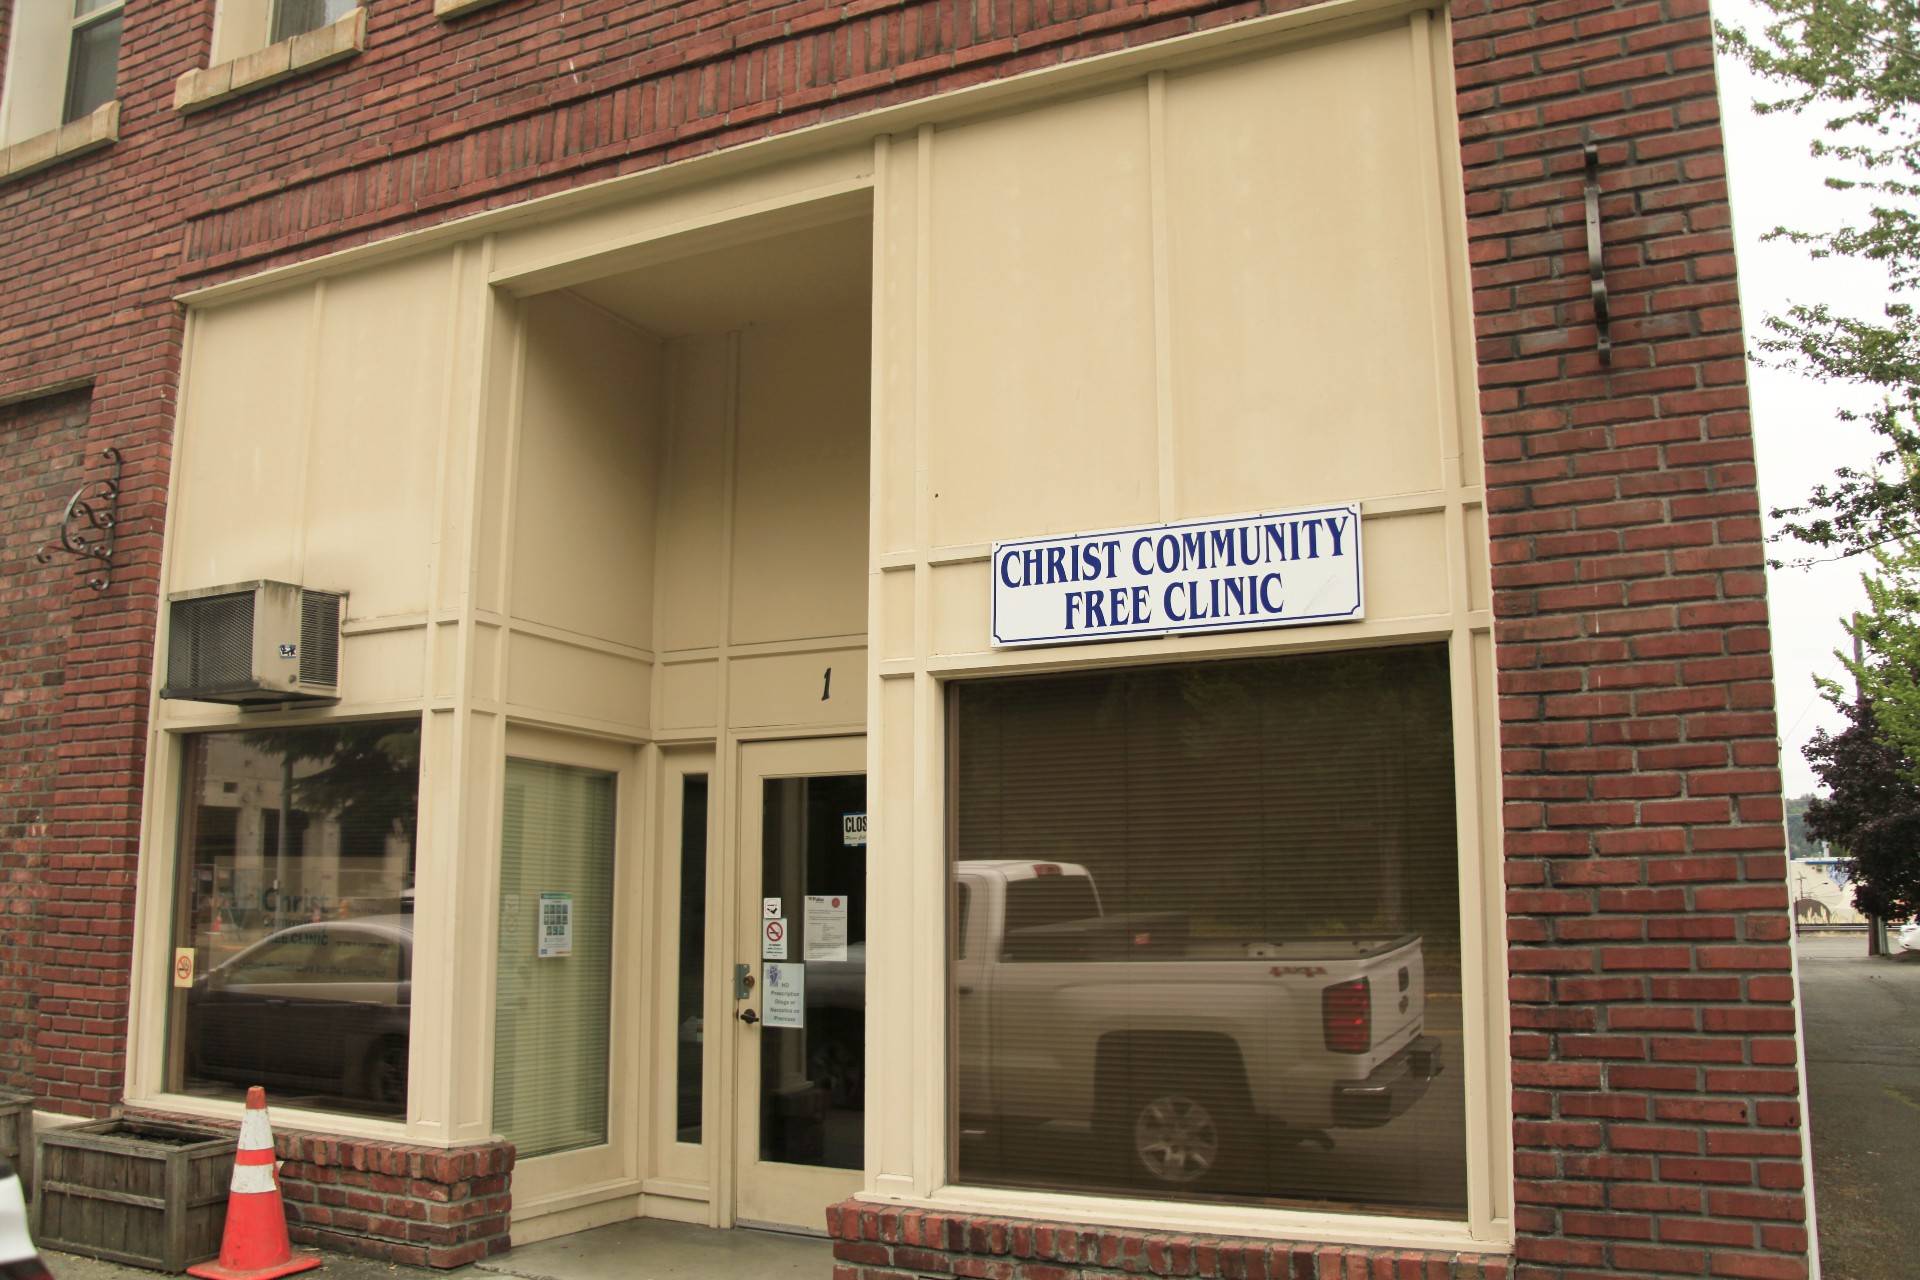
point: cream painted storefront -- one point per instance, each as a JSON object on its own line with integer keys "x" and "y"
{"x": 694, "y": 475}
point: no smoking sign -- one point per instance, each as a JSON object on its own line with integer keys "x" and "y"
{"x": 773, "y": 940}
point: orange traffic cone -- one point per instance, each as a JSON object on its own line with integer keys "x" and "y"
{"x": 255, "y": 1245}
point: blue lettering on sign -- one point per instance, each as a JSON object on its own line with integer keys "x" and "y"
{"x": 1277, "y": 569}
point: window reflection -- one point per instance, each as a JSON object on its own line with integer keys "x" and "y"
{"x": 1211, "y": 933}
{"x": 298, "y": 847}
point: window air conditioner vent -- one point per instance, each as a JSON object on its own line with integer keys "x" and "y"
{"x": 252, "y": 644}
{"x": 319, "y": 638}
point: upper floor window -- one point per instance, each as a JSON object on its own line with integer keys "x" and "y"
{"x": 241, "y": 27}
{"x": 63, "y": 59}
{"x": 297, "y": 17}
{"x": 93, "y": 59}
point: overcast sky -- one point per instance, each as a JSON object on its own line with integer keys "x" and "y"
{"x": 1799, "y": 441}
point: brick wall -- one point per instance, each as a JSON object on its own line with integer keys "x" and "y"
{"x": 416, "y": 1205}
{"x": 898, "y": 1244}
{"x": 1656, "y": 1097}
{"x": 42, "y": 1037}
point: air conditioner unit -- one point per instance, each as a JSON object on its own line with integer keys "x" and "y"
{"x": 254, "y": 644}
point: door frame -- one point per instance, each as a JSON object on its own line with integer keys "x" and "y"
{"x": 733, "y": 1097}
{"x": 552, "y": 1183}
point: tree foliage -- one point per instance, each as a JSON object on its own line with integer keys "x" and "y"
{"x": 1871, "y": 812}
{"x": 1887, "y": 633}
{"x": 1857, "y": 61}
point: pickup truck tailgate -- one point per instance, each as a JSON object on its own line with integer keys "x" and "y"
{"x": 1398, "y": 982}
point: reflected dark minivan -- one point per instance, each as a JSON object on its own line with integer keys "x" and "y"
{"x": 318, "y": 1009}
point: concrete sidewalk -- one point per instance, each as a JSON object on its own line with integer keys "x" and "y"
{"x": 1863, "y": 1081}
{"x": 639, "y": 1250}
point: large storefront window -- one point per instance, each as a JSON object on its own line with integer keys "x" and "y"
{"x": 297, "y": 857}
{"x": 1206, "y": 933}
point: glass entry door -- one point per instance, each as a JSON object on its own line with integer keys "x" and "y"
{"x": 800, "y": 981}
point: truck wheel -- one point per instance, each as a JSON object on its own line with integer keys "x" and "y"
{"x": 1184, "y": 1138}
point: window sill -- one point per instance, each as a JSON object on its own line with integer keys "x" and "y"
{"x": 447, "y": 10}
{"x": 210, "y": 86}
{"x": 87, "y": 134}
{"x": 1369, "y": 1231}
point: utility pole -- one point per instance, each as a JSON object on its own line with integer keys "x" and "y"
{"x": 1874, "y": 928}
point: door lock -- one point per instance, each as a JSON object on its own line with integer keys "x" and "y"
{"x": 749, "y": 1017}
{"x": 742, "y": 981}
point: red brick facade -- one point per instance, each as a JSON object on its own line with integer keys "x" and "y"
{"x": 41, "y": 444}
{"x": 1656, "y": 1097}
{"x": 1655, "y": 1085}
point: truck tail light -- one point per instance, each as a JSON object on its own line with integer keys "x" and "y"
{"x": 1346, "y": 1015}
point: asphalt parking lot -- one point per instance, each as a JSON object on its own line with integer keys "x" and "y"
{"x": 1863, "y": 1077}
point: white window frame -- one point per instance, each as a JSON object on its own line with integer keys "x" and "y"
{"x": 573, "y": 1179}
{"x": 1485, "y": 1227}
{"x": 39, "y": 65}
{"x": 1481, "y": 1060}
{"x": 149, "y": 1047}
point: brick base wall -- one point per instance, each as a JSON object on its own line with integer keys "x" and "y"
{"x": 871, "y": 1243}
{"x": 423, "y": 1206}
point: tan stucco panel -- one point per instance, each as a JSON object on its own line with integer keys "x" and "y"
{"x": 1041, "y": 380}
{"x": 1304, "y": 353}
{"x": 800, "y": 489}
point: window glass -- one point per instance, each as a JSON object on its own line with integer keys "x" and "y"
{"x": 554, "y": 972}
{"x": 1219, "y": 919}
{"x": 693, "y": 954}
{"x": 297, "y": 17}
{"x": 93, "y": 66}
{"x": 813, "y": 1077}
{"x": 298, "y": 856}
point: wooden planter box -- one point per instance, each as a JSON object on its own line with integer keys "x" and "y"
{"x": 133, "y": 1191}
{"x": 16, "y": 1134}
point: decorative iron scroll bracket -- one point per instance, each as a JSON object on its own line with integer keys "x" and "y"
{"x": 88, "y": 525}
{"x": 1596, "y": 267}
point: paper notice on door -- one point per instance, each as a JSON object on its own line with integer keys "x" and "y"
{"x": 826, "y": 927}
{"x": 783, "y": 995}
{"x": 556, "y": 925}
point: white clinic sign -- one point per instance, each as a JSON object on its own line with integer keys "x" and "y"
{"x": 1236, "y": 573}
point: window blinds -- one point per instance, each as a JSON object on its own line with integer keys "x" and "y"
{"x": 1181, "y": 875}
{"x": 550, "y": 1037}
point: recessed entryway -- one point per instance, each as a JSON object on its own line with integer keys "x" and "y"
{"x": 688, "y": 568}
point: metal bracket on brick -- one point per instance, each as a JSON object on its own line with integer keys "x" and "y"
{"x": 1596, "y": 267}
{"x": 88, "y": 525}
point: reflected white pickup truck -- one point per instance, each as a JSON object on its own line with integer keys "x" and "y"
{"x": 1185, "y": 1054}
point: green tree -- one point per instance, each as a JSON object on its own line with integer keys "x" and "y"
{"x": 1886, "y": 674}
{"x": 1871, "y": 812}
{"x": 1857, "y": 61}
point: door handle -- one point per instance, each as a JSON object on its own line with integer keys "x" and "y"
{"x": 749, "y": 1017}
